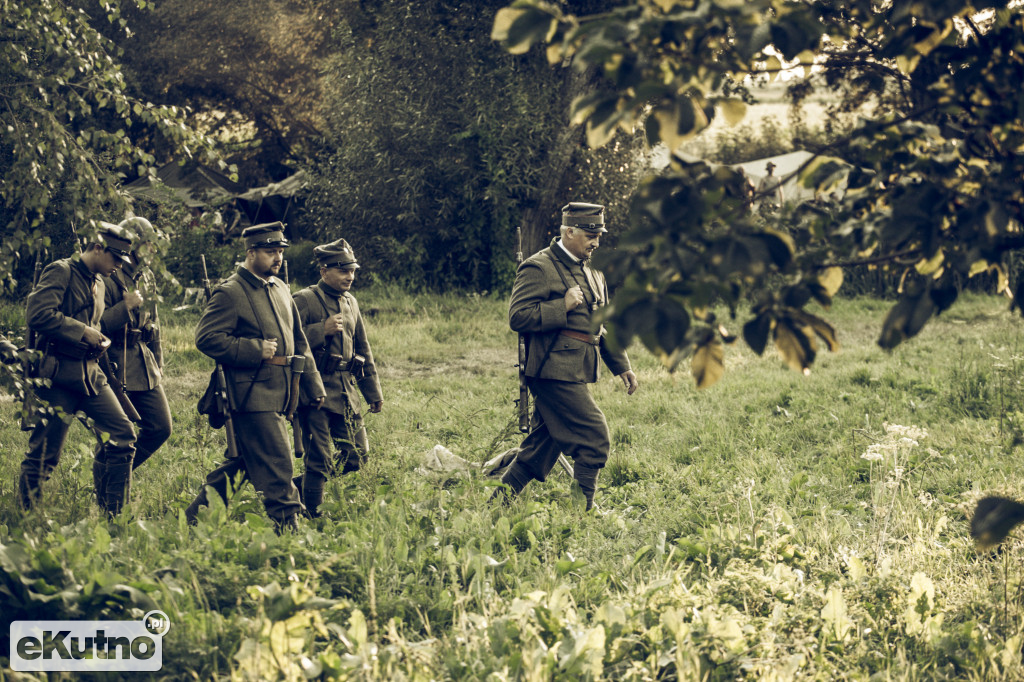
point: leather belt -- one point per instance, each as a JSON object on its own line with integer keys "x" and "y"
{"x": 279, "y": 360}
{"x": 580, "y": 336}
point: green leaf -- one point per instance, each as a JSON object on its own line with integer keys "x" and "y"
{"x": 733, "y": 110}
{"x": 755, "y": 332}
{"x": 708, "y": 364}
{"x": 795, "y": 347}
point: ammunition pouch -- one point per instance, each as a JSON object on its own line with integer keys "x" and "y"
{"x": 328, "y": 363}
{"x": 210, "y": 406}
{"x": 355, "y": 366}
{"x": 74, "y": 351}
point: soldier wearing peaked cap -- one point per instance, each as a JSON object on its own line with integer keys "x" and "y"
{"x": 334, "y": 437}
{"x": 554, "y": 298}
{"x": 131, "y": 320}
{"x": 65, "y": 309}
{"x": 252, "y": 328}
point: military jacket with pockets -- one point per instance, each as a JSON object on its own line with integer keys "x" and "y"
{"x": 141, "y": 363}
{"x": 316, "y": 304}
{"x": 67, "y": 299}
{"x": 537, "y": 308}
{"x": 242, "y": 312}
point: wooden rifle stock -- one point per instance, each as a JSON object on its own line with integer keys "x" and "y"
{"x": 221, "y": 388}
{"x": 523, "y": 403}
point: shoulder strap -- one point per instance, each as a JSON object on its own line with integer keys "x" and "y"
{"x": 320, "y": 295}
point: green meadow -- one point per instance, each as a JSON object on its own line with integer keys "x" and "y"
{"x": 773, "y": 527}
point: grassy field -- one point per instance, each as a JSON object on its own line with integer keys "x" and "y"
{"x": 742, "y": 533}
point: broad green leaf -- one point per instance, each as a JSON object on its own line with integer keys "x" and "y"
{"x": 794, "y": 346}
{"x": 755, "y": 332}
{"x": 930, "y": 265}
{"x": 733, "y": 110}
{"x": 834, "y": 613}
{"x": 503, "y": 21}
{"x": 831, "y": 279}
{"x": 708, "y": 364}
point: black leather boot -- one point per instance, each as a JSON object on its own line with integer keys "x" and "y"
{"x": 192, "y": 510}
{"x": 29, "y": 490}
{"x": 99, "y": 483}
{"x": 586, "y": 477}
{"x": 313, "y": 497}
{"x": 116, "y": 487}
{"x": 514, "y": 479}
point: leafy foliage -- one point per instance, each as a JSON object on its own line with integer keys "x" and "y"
{"x": 249, "y": 71}
{"x": 936, "y": 193}
{"x": 438, "y": 145}
{"x": 68, "y": 125}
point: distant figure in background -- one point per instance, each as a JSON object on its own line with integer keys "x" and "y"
{"x": 65, "y": 309}
{"x": 130, "y": 320}
{"x": 769, "y": 190}
{"x": 554, "y": 298}
{"x": 334, "y": 438}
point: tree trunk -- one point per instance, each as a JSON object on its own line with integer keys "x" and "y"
{"x": 543, "y": 218}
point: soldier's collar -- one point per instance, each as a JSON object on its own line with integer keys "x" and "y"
{"x": 329, "y": 290}
{"x": 251, "y": 277}
{"x": 565, "y": 252}
{"x": 84, "y": 269}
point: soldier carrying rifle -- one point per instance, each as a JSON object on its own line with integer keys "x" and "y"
{"x": 252, "y": 328}
{"x": 65, "y": 309}
{"x": 334, "y": 436}
{"x": 130, "y": 320}
{"x": 554, "y": 298}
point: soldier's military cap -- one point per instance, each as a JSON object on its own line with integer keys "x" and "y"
{"x": 265, "y": 236}
{"x": 337, "y": 254}
{"x": 589, "y": 217}
{"x": 116, "y": 240}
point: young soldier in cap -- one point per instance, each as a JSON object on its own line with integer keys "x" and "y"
{"x": 65, "y": 309}
{"x": 334, "y": 437}
{"x": 130, "y": 320}
{"x": 554, "y": 297}
{"x": 252, "y": 328}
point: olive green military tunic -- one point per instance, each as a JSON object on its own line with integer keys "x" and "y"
{"x": 334, "y": 436}
{"x": 137, "y": 355}
{"x": 241, "y": 313}
{"x": 68, "y": 298}
{"x": 559, "y": 366}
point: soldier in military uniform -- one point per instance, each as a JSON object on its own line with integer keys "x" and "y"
{"x": 334, "y": 437}
{"x": 251, "y": 326}
{"x": 65, "y": 309}
{"x": 130, "y": 320}
{"x": 554, "y": 297}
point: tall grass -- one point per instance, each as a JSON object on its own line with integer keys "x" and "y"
{"x": 742, "y": 532}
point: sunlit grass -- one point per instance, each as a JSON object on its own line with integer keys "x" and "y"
{"x": 741, "y": 532}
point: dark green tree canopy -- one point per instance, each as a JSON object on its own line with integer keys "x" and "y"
{"x": 439, "y": 144}
{"x": 68, "y": 126}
